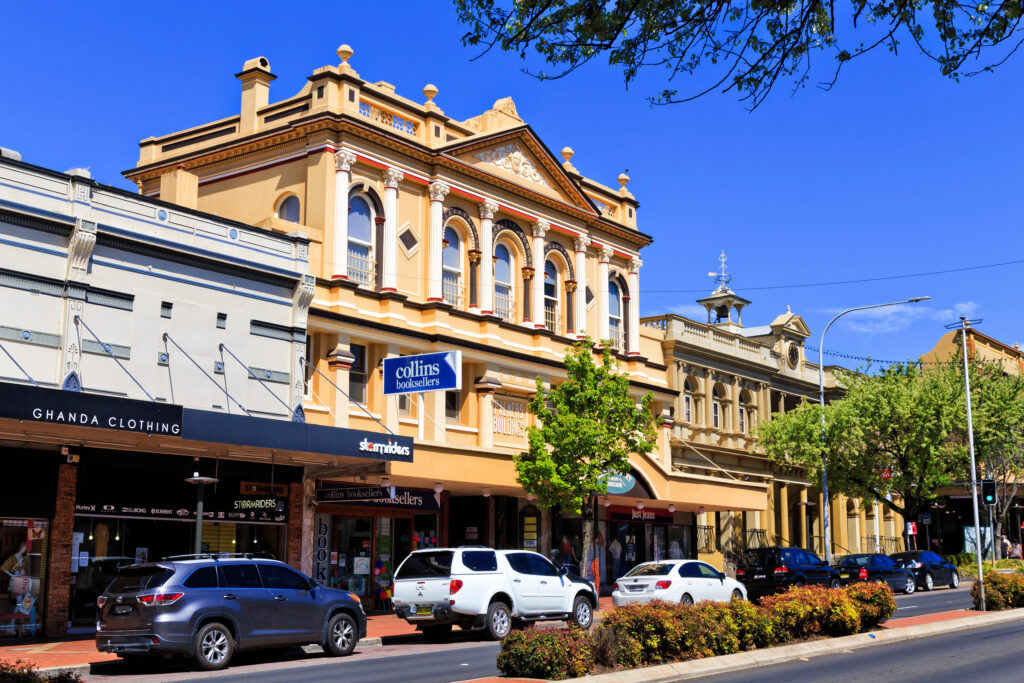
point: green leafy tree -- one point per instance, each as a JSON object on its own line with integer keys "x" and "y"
{"x": 893, "y": 437}
{"x": 997, "y": 402}
{"x": 742, "y": 45}
{"x": 589, "y": 424}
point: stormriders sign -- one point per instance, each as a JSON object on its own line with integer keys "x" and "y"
{"x": 31, "y": 404}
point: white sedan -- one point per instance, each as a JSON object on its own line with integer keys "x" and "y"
{"x": 683, "y": 581}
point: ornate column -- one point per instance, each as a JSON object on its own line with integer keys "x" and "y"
{"x": 633, "y": 326}
{"x": 343, "y": 160}
{"x": 437, "y": 191}
{"x": 474, "y": 279}
{"x": 540, "y": 228}
{"x": 803, "y": 517}
{"x": 485, "y": 387}
{"x": 80, "y": 248}
{"x": 340, "y": 360}
{"x": 709, "y": 386}
{"x": 782, "y": 526}
{"x": 389, "y": 256}
{"x": 302, "y": 297}
{"x": 580, "y": 313}
{"x": 570, "y": 308}
{"x": 603, "y": 256}
{"x": 734, "y": 406}
{"x": 528, "y": 273}
{"x": 486, "y": 279}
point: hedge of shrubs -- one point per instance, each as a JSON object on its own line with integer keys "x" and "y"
{"x": 660, "y": 632}
{"x": 1002, "y": 591}
{"x": 22, "y": 671}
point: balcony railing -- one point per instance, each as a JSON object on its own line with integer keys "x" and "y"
{"x": 892, "y": 544}
{"x": 870, "y": 544}
{"x": 707, "y": 539}
{"x": 757, "y": 538}
{"x": 361, "y": 267}
{"x": 551, "y": 320}
{"x": 504, "y": 306}
{"x": 451, "y": 289}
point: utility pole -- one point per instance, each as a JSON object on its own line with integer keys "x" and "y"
{"x": 963, "y": 325}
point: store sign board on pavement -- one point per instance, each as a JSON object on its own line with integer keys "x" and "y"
{"x": 423, "y": 372}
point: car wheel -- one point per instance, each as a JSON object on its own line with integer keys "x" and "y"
{"x": 834, "y": 583}
{"x": 499, "y": 620}
{"x": 436, "y": 634}
{"x": 687, "y": 599}
{"x": 929, "y": 584}
{"x": 910, "y": 586}
{"x": 955, "y": 581}
{"x": 582, "y": 613}
{"x": 737, "y": 594}
{"x": 213, "y": 647}
{"x": 341, "y": 635}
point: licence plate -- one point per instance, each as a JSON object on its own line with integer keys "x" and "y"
{"x": 423, "y": 609}
{"x": 845, "y": 576}
{"x": 758, "y": 576}
{"x": 635, "y": 589}
{"x": 122, "y": 609}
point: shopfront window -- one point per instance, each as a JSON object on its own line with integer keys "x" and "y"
{"x": 23, "y": 549}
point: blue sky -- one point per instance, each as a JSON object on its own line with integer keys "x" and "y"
{"x": 895, "y": 171}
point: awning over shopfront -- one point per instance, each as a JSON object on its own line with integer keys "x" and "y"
{"x": 74, "y": 417}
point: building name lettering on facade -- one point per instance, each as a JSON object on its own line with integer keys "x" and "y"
{"x": 510, "y": 417}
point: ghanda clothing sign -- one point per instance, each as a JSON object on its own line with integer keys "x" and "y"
{"x": 31, "y": 404}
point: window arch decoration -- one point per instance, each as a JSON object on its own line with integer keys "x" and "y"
{"x": 505, "y": 225}
{"x": 746, "y": 416}
{"x": 566, "y": 261}
{"x": 466, "y": 218}
{"x": 289, "y": 208}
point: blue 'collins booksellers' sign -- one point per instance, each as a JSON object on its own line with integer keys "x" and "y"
{"x": 425, "y": 372}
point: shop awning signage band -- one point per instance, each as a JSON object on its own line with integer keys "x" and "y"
{"x": 31, "y": 404}
{"x": 624, "y": 513}
{"x": 378, "y": 496}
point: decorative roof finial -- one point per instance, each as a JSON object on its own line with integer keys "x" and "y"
{"x": 430, "y": 92}
{"x": 345, "y": 53}
{"x": 723, "y": 278}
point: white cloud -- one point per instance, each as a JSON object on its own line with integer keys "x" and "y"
{"x": 897, "y": 318}
{"x": 692, "y": 311}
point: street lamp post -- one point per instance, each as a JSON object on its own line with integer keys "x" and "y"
{"x": 827, "y": 535}
{"x": 200, "y": 483}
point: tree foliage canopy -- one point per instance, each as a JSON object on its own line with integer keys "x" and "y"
{"x": 742, "y": 45}
{"x": 589, "y": 425}
{"x": 894, "y": 432}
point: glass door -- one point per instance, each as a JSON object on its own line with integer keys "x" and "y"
{"x": 354, "y": 543}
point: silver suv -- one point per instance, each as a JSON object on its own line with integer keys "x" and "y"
{"x": 207, "y": 607}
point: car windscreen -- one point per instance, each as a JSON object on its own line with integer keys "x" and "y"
{"x": 855, "y": 561}
{"x": 426, "y": 565}
{"x": 654, "y": 569}
{"x": 904, "y": 557}
{"x": 132, "y": 579}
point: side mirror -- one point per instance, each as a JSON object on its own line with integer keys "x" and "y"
{"x": 721, "y": 576}
{"x": 562, "y": 570}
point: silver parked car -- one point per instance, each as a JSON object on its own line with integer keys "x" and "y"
{"x": 207, "y": 607}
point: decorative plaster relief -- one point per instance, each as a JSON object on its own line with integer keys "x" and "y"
{"x": 512, "y": 159}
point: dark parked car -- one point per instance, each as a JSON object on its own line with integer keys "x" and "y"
{"x": 207, "y": 607}
{"x": 928, "y": 569}
{"x": 875, "y": 568}
{"x": 769, "y": 570}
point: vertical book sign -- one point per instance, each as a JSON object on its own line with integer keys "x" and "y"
{"x": 321, "y": 548}
{"x": 425, "y": 372}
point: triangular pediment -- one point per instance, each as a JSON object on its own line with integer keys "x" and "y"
{"x": 520, "y": 158}
{"x": 791, "y": 325}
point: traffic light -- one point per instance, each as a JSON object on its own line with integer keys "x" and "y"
{"x": 988, "y": 491}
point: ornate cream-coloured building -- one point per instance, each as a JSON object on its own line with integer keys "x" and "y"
{"x": 432, "y": 233}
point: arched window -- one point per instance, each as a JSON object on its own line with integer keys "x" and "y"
{"x": 504, "y": 304}
{"x": 615, "y": 315}
{"x": 745, "y": 414}
{"x": 687, "y": 402}
{"x": 716, "y": 408}
{"x": 360, "y": 241}
{"x": 288, "y": 210}
{"x": 451, "y": 268}
{"x": 551, "y": 320}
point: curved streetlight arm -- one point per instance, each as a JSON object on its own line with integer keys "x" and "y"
{"x": 826, "y": 531}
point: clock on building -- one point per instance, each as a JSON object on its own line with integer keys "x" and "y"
{"x": 793, "y": 354}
